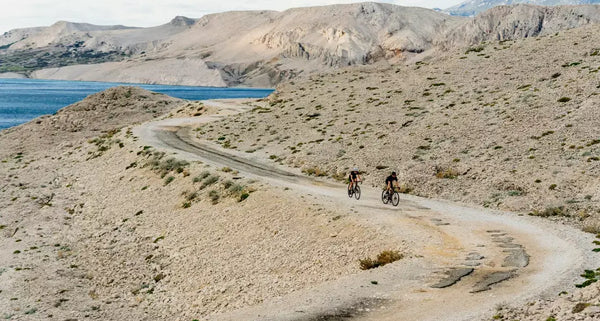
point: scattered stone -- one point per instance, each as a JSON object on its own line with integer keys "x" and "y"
{"x": 503, "y": 239}
{"x": 517, "y": 258}
{"x": 439, "y": 222}
{"x": 453, "y": 276}
{"x": 510, "y": 245}
{"x": 474, "y": 256}
{"x": 491, "y": 279}
{"x": 159, "y": 277}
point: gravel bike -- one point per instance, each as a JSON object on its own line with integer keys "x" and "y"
{"x": 393, "y": 197}
{"x": 354, "y": 191}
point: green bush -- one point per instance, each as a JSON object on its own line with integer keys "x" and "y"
{"x": 200, "y": 177}
{"x": 214, "y": 196}
{"x": 564, "y": 99}
{"x": 209, "y": 181}
{"x": 168, "y": 180}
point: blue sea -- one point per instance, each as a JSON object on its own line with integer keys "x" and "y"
{"x": 22, "y": 100}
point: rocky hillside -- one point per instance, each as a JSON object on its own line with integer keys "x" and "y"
{"x": 260, "y": 48}
{"x": 265, "y": 48}
{"x": 503, "y": 125}
{"x": 518, "y": 22}
{"x": 67, "y": 43}
{"x": 96, "y": 225}
{"x": 475, "y": 7}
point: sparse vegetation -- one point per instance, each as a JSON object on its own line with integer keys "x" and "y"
{"x": 579, "y": 307}
{"x": 162, "y": 166}
{"x": 382, "y": 259}
{"x": 446, "y": 172}
{"x": 210, "y": 180}
{"x": 564, "y": 99}
{"x": 314, "y": 171}
{"x": 201, "y": 177}
{"x": 479, "y": 48}
{"x": 168, "y": 180}
{"x": 405, "y": 189}
{"x": 214, "y": 196}
{"x": 104, "y": 143}
{"x": 550, "y": 211}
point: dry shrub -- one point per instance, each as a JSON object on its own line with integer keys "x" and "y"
{"x": 383, "y": 258}
{"x": 591, "y": 226}
{"x": 340, "y": 176}
{"x": 314, "y": 171}
{"x": 580, "y": 307}
{"x": 550, "y": 211}
{"x": 214, "y": 196}
{"x": 405, "y": 189}
{"x": 446, "y": 172}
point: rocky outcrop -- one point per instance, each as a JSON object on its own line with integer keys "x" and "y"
{"x": 518, "y": 22}
{"x": 471, "y": 8}
{"x": 263, "y": 48}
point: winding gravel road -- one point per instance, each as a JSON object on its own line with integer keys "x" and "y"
{"x": 466, "y": 260}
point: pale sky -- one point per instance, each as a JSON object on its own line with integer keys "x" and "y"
{"x": 145, "y": 13}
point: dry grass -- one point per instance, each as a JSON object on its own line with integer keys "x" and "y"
{"x": 314, "y": 171}
{"x": 550, "y": 211}
{"x": 441, "y": 172}
{"x": 383, "y": 258}
{"x": 405, "y": 189}
{"x": 592, "y": 226}
{"x": 162, "y": 166}
{"x": 580, "y": 307}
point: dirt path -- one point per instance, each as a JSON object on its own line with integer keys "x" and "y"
{"x": 467, "y": 260}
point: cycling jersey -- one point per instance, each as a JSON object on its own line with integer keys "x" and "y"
{"x": 390, "y": 180}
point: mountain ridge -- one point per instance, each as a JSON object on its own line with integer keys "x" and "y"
{"x": 265, "y": 48}
{"x": 473, "y": 7}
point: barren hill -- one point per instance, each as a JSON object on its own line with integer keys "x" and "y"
{"x": 518, "y": 22}
{"x": 474, "y": 7}
{"x": 94, "y": 224}
{"x": 502, "y": 125}
{"x": 98, "y": 224}
{"x": 262, "y": 48}
{"x": 265, "y": 48}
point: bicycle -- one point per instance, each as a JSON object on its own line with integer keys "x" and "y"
{"x": 355, "y": 191}
{"x": 387, "y": 197}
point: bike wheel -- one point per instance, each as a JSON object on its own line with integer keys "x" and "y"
{"x": 395, "y": 199}
{"x": 357, "y": 192}
{"x": 384, "y": 197}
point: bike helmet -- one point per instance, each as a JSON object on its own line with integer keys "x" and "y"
{"x": 355, "y": 169}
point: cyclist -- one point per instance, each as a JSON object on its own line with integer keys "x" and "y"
{"x": 354, "y": 178}
{"x": 390, "y": 182}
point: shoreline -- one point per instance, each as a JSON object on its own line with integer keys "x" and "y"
{"x": 85, "y": 89}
